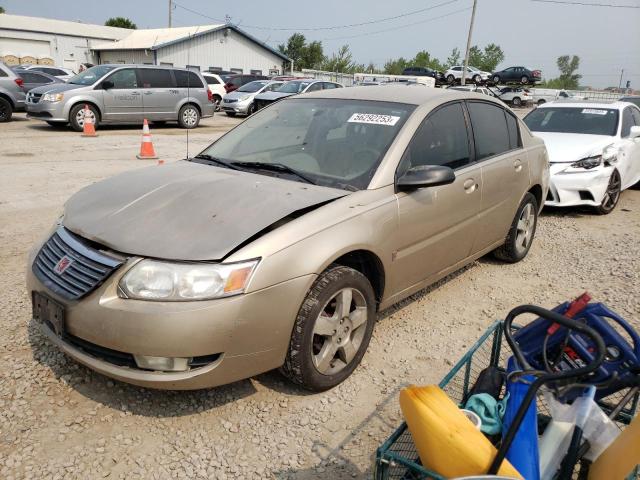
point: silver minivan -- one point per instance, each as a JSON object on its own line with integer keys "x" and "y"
{"x": 124, "y": 94}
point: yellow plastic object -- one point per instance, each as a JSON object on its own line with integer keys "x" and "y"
{"x": 621, "y": 457}
{"x": 446, "y": 440}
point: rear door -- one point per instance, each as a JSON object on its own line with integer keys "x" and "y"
{"x": 438, "y": 225}
{"x": 159, "y": 93}
{"x": 505, "y": 169}
{"x": 123, "y": 102}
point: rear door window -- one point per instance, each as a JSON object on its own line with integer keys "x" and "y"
{"x": 490, "y": 130}
{"x": 155, "y": 78}
{"x": 441, "y": 139}
{"x": 186, "y": 79}
{"x": 627, "y": 122}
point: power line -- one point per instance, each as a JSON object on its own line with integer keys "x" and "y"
{"x": 585, "y": 4}
{"x": 334, "y": 27}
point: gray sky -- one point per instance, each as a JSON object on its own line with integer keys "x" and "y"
{"x": 531, "y": 34}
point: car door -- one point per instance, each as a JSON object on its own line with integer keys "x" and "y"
{"x": 159, "y": 93}
{"x": 437, "y": 225}
{"x": 505, "y": 169}
{"x": 314, "y": 87}
{"x": 629, "y": 152}
{"x": 123, "y": 101}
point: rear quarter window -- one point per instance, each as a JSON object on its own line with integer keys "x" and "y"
{"x": 186, "y": 79}
{"x": 155, "y": 78}
{"x": 490, "y": 129}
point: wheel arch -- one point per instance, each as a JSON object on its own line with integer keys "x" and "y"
{"x": 367, "y": 263}
{"x": 8, "y": 99}
{"x": 84, "y": 102}
{"x": 536, "y": 191}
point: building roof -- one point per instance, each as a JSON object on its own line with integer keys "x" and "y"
{"x": 61, "y": 27}
{"x": 156, "y": 38}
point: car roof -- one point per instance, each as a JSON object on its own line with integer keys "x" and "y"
{"x": 399, "y": 94}
{"x": 585, "y": 104}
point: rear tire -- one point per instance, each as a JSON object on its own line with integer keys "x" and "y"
{"x": 217, "y": 100}
{"x": 521, "y": 233}
{"x": 76, "y": 118}
{"x": 6, "y": 110}
{"x": 477, "y": 79}
{"x": 612, "y": 196}
{"x": 231, "y": 114}
{"x": 332, "y": 329}
{"x": 516, "y": 102}
{"x": 541, "y": 101}
{"x": 524, "y": 80}
{"x": 189, "y": 116}
{"x": 496, "y": 79}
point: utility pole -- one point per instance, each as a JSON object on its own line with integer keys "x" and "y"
{"x": 170, "y": 11}
{"x": 620, "y": 82}
{"x": 466, "y": 55}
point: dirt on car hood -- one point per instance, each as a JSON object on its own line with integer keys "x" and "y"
{"x": 185, "y": 210}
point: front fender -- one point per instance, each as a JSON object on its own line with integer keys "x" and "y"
{"x": 82, "y": 98}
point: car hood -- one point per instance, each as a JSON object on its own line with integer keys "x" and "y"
{"x": 570, "y": 147}
{"x": 271, "y": 96}
{"x": 57, "y": 88}
{"x": 185, "y": 210}
{"x": 236, "y": 95}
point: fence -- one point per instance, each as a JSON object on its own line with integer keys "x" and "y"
{"x": 345, "y": 79}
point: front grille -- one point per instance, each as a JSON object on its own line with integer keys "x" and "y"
{"x": 230, "y": 100}
{"x": 70, "y": 268}
{"x": 33, "y": 97}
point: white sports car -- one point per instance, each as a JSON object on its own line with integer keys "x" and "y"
{"x": 594, "y": 151}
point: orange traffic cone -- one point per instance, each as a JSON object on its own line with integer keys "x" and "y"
{"x": 88, "y": 128}
{"x": 146, "y": 148}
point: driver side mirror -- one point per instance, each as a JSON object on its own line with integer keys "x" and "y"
{"x": 425, "y": 176}
{"x": 107, "y": 84}
{"x": 634, "y": 132}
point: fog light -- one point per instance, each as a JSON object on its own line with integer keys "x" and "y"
{"x": 164, "y": 364}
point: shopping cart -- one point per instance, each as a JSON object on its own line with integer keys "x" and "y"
{"x": 398, "y": 458}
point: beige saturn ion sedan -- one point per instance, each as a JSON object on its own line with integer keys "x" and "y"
{"x": 276, "y": 246}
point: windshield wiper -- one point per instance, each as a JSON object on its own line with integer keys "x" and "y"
{"x": 274, "y": 167}
{"x": 211, "y": 159}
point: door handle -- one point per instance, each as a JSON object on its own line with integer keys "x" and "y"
{"x": 470, "y": 185}
{"x": 148, "y": 92}
{"x": 517, "y": 165}
{"x": 135, "y": 93}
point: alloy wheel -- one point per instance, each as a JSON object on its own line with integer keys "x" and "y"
{"x": 612, "y": 195}
{"x": 525, "y": 228}
{"x": 339, "y": 330}
{"x": 80, "y": 117}
{"x": 190, "y": 117}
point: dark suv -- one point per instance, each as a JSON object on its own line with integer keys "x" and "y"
{"x": 236, "y": 81}
{"x": 425, "y": 72}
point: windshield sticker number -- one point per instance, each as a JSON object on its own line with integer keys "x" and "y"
{"x": 593, "y": 111}
{"x": 374, "y": 119}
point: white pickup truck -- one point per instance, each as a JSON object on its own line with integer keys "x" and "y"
{"x": 543, "y": 95}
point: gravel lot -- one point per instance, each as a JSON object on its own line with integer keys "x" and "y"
{"x": 58, "y": 419}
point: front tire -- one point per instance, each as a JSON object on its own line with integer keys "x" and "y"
{"x": 612, "y": 195}
{"x": 76, "y": 117}
{"x": 477, "y": 79}
{"x": 451, "y": 79}
{"x": 189, "y": 116}
{"x": 6, "y": 110}
{"x": 524, "y": 80}
{"x": 521, "y": 233}
{"x": 332, "y": 329}
{"x": 496, "y": 79}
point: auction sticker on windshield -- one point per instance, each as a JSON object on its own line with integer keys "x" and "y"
{"x": 374, "y": 119}
{"x": 594, "y": 111}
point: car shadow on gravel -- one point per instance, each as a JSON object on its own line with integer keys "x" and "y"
{"x": 126, "y": 398}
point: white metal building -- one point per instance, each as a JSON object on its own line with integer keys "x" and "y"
{"x": 203, "y": 47}
{"x": 63, "y": 43}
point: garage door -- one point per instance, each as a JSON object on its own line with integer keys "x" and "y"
{"x": 20, "y": 46}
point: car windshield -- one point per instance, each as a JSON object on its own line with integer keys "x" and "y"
{"x": 333, "y": 142}
{"x": 252, "y": 86}
{"x": 295, "y": 86}
{"x": 91, "y": 75}
{"x": 586, "y": 120}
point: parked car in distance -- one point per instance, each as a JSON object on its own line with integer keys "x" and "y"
{"x": 115, "y": 92}
{"x": 12, "y": 94}
{"x": 543, "y": 95}
{"x": 241, "y": 101}
{"x": 473, "y": 88}
{"x": 215, "y": 83}
{"x": 454, "y": 75}
{"x": 516, "y": 96}
{"x": 60, "y": 72}
{"x": 593, "y": 149}
{"x": 635, "y": 99}
{"x": 516, "y": 74}
{"x": 33, "y": 79}
{"x": 425, "y": 72}
{"x": 276, "y": 246}
{"x": 236, "y": 81}
{"x": 293, "y": 87}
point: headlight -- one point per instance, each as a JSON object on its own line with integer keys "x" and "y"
{"x": 588, "y": 163}
{"x": 167, "y": 281}
{"x": 243, "y": 98}
{"x": 52, "y": 97}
